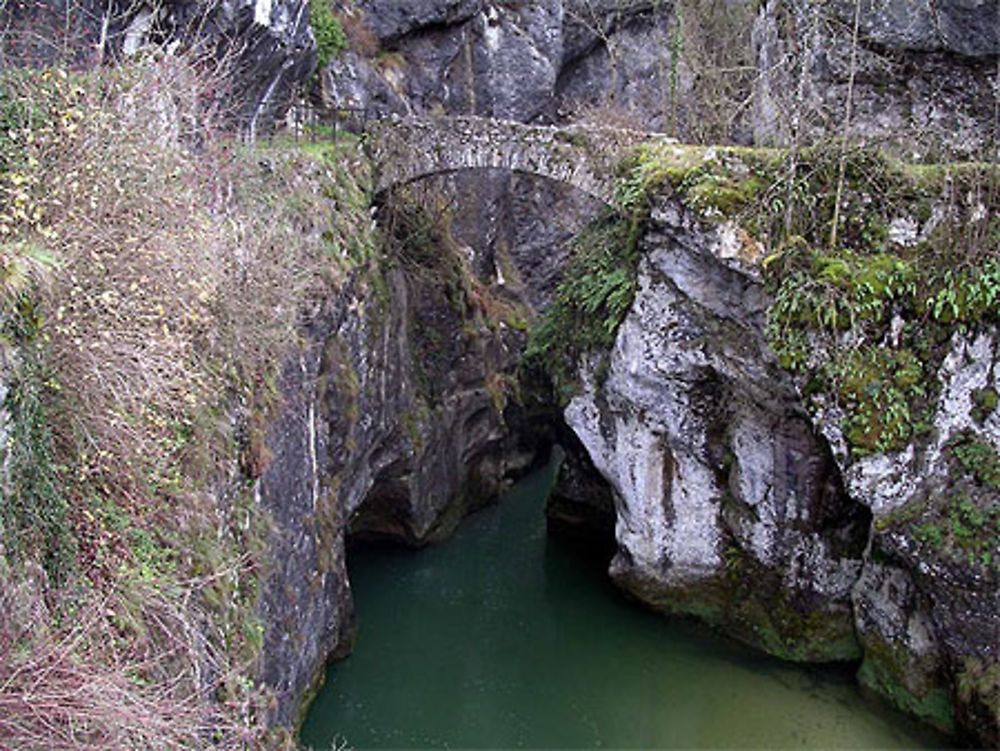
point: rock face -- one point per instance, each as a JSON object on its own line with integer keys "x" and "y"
{"x": 728, "y": 504}
{"x": 274, "y": 52}
{"x": 390, "y": 19}
{"x": 545, "y": 61}
{"x": 958, "y": 26}
{"x": 737, "y": 502}
{"x": 691, "y": 69}
{"x": 927, "y": 612}
{"x": 922, "y": 80}
{"x": 391, "y": 425}
{"x": 266, "y": 46}
{"x": 472, "y": 58}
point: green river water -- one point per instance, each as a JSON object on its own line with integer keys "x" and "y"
{"x": 504, "y": 637}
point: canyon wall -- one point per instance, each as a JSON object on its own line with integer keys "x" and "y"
{"x": 738, "y": 500}
{"x": 392, "y": 426}
{"x": 734, "y": 493}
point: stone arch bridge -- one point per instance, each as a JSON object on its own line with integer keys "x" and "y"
{"x": 586, "y": 157}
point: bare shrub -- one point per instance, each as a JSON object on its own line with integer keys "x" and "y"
{"x": 126, "y": 672}
{"x": 121, "y": 207}
{"x": 608, "y": 115}
{"x": 157, "y": 244}
{"x": 714, "y": 40}
{"x": 72, "y": 34}
{"x": 176, "y": 267}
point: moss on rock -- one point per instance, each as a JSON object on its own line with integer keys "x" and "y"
{"x": 896, "y": 674}
{"x": 750, "y": 604}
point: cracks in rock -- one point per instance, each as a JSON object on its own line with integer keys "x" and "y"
{"x": 638, "y": 15}
{"x": 936, "y": 14}
{"x": 432, "y": 28}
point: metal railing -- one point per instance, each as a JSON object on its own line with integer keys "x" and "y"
{"x": 309, "y": 123}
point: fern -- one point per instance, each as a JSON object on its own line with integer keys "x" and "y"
{"x": 589, "y": 305}
{"x": 328, "y": 30}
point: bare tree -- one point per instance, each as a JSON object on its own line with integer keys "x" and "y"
{"x": 795, "y": 129}
{"x": 847, "y": 124}
{"x": 712, "y": 39}
{"x": 602, "y": 21}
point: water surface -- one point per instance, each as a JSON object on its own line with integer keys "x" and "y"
{"x": 503, "y": 637}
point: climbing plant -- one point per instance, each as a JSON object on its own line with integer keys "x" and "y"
{"x": 328, "y": 30}
{"x": 590, "y": 304}
{"x": 34, "y": 513}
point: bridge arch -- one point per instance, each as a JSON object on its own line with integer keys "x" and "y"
{"x": 405, "y": 150}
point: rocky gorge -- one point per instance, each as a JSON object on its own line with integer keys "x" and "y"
{"x": 814, "y": 511}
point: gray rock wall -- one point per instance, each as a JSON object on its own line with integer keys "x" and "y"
{"x": 693, "y": 69}
{"x": 737, "y": 502}
{"x": 539, "y": 61}
{"x": 928, "y": 615}
{"x": 728, "y": 504}
{"x": 923, "y": 74}
{"x": 380, "y": 433}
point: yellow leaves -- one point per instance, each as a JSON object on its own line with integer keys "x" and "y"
{"x": 175, "y": 240}
{"x": 50, "y": 74}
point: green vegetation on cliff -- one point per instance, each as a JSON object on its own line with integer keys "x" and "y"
{"x": 883, "y": 670}
{"x": 328, "y": 30}
{"x": 152, "y": 277}
{"x": 590, "y": 304}
{"x": 868, "y": 320}
{"x": 959, "y": 521}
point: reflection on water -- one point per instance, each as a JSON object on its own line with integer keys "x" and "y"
{"x": 502, "y": 637}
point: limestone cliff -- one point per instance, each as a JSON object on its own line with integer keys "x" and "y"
{"x": 927, "y": 607}
{"x": 761, "y": 479}
{"x": 921, "y": 74}
{"x": 393, "y": 426}
{"x": 728, "y": 504}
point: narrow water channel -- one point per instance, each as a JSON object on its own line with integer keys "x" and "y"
{"x": 503, "y": 637}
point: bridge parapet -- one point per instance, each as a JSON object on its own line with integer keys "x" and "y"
{"x": 585, "y": 157}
